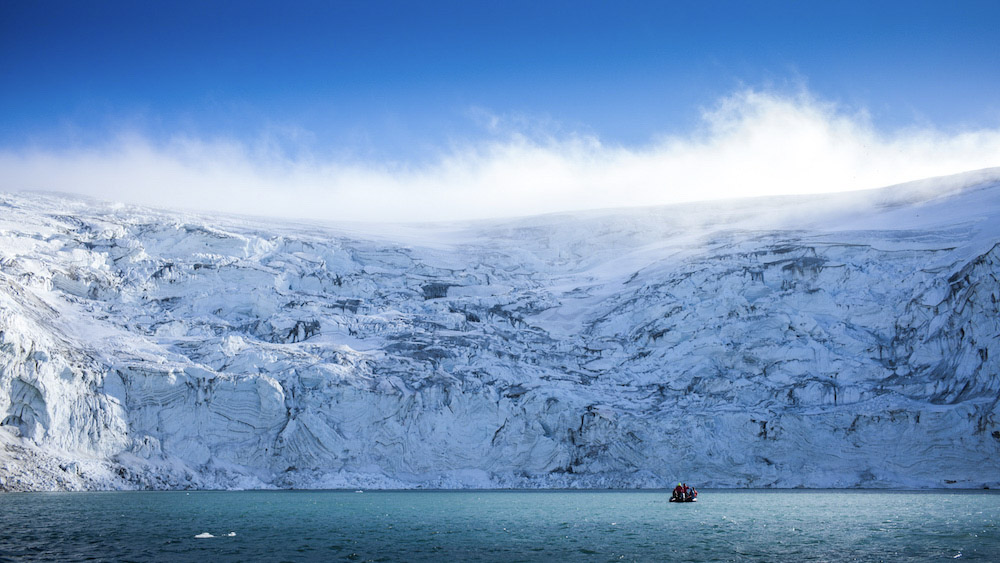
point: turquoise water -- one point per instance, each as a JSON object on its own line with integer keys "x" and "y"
{"x": 500, "y": 526}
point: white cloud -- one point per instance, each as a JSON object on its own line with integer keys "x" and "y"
{"x": 751, "y": 143}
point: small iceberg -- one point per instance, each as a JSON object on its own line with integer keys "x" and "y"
{"x": 206, "y": 535}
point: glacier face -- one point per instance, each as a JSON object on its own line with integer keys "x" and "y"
{"x": 834, "y": 341}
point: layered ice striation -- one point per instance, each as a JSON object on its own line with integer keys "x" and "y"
{"x": 834, "y": 341}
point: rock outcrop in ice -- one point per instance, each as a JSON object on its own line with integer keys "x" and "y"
{"x": 839, "y": 341}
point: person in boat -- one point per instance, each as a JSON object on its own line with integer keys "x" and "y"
{"x": 687, "y": 492}
{"x": 678, "y": 493}
{"x": 693, "y": 494}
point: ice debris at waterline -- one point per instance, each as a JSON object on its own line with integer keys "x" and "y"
{"x": 834, "y": 341}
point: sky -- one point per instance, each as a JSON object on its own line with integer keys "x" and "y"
{"x": 416, "y": 111}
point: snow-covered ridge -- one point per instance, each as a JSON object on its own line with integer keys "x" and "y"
{"x": 845, "y": 340}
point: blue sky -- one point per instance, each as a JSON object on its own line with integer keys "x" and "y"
{"x": 415, "y": 96}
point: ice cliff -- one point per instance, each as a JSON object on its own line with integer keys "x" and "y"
{"x": 833, "y": 341}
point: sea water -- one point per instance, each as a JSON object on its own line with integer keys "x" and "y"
{"x": 499, "y": 526}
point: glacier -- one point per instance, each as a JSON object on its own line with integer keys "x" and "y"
{"x": 843, "y": 340}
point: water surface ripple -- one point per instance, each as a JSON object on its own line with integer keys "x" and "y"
{"x": 499, "y": 526}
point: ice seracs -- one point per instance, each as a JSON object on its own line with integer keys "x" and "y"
{"x": 839, "y": 341}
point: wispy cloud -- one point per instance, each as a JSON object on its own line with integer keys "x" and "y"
{"x": 750, "y": 143}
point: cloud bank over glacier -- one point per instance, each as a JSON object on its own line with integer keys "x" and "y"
{"x": 750, "y": 143}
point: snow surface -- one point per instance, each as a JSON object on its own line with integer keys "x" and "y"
{"x": 846, "y": 340}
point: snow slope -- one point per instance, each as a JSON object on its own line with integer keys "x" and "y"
{"x": 835, "y": 341}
